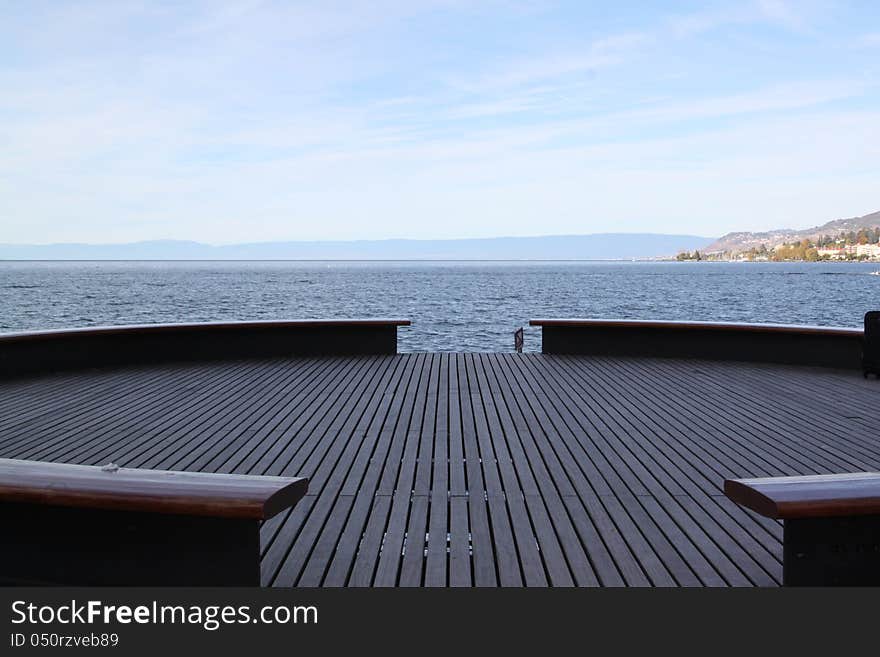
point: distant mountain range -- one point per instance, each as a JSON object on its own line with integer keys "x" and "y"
{"x": 601, "y": 246}
{"x": 598, "y": 246}
{"x": 736, "y": 242}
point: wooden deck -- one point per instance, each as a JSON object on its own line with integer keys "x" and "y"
{"x": 475, "y": 469}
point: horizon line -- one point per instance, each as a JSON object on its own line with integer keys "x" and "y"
{"x": 639, "y": 259}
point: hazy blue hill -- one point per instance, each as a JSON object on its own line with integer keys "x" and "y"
{"x": 743, "y": 241}
{"x": 602, "y": 246}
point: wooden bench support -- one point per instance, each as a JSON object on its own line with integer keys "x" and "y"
{"x": 836, "y": 551}
{"x": 73, "y": 525}
{"x": 66, "y": 546}
{"x": 831, "y": 532}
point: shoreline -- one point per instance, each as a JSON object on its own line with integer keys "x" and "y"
{"x": 647, "y": 260}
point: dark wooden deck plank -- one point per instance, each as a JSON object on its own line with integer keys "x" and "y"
{"x": 362, "y": 484}
{"x": 329, "y": 462}
{"x": 318, "y": 453}
{"x": 253, "y": 395}
{"x": 72, "y": 424}
{"x": 169, "y": 432}
{"x": 666, "y": 463}
{"x": 388, "y": 567}
{"x": 376, "y": 561}
{"x": 41, "y": 404}
{"x": 676, "y": 564}
{"x": 668, "y": 454}
{"x": 239, "y": 414}
{"x": 352, "y": 466}
{"x": 706, "y": 444}
{"x": 527, "y": 501}
{"x": 634, "y": 575}
{"x": 405, "y": 534}
{"x": 283, "y": 543}
{"x": 826, "y": 412}
{"x": 680, "y": 427}
{"x": 586, "y": 413}
{"x": 259, "y": 432}
{"x": 589, "y": 438}
{"x": 438, "y": 555}
{"x": 796, "y": 437}
{"x": 124, "y": 433}
{"x": 678, "y": 536}
{"x": 515, "y": 482}
{"x": 589, "y": 483}
{"x": 461, "y": 571}
{"x": 686, "y": 397}
{"x": 550, "y": 482}
{"x": 294, "y": 427}
{"x": 483, "y": 558}
{"x": 331, "y": 491}
{"x": 475, "y": 469}
{"x": 460, "y": 563}
{"x": 418, "y": 534}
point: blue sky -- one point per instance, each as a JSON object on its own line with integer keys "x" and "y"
{"x": 253, "y": 120}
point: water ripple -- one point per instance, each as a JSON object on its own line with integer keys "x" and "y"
{"x": 455, "y": 306}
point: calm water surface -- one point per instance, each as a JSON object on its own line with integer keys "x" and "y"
{"x": 455, "y": 306}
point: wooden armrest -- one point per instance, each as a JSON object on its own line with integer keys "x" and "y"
{"x": 149, "y": 491}
{"x": 813, "y": 496}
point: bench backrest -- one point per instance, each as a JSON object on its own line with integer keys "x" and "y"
{"x": 725, "y": 341}
{"x": 39, "y": 352}
{"x": 871, "y": 350}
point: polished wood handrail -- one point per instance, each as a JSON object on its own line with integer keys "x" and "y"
{"x": 151, "y": 491}
{"x": 811, "y": 496}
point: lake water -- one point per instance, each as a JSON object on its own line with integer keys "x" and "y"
{"x": 454, "y": 306}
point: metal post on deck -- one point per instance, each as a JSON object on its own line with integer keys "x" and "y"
{"x": 518, "y": 339}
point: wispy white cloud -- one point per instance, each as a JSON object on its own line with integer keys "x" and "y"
{"x": 546, "y": 66}
{"x": 786, "y": 96}
{"x": 256, "y": 120}
{"x": 792, "y": 16}
{"x": 785, "y": 13}
{"x": 868, "y": 40}
{"x": 694, "y": 23}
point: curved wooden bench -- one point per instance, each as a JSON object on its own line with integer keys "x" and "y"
{"x": 46, "y": 351}
{"x": 774, "y": 343}
{"x": 87, "y": 525}
{"x": 831, "y": 524}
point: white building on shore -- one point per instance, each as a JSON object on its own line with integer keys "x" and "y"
{"x": 841, "y": 252}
